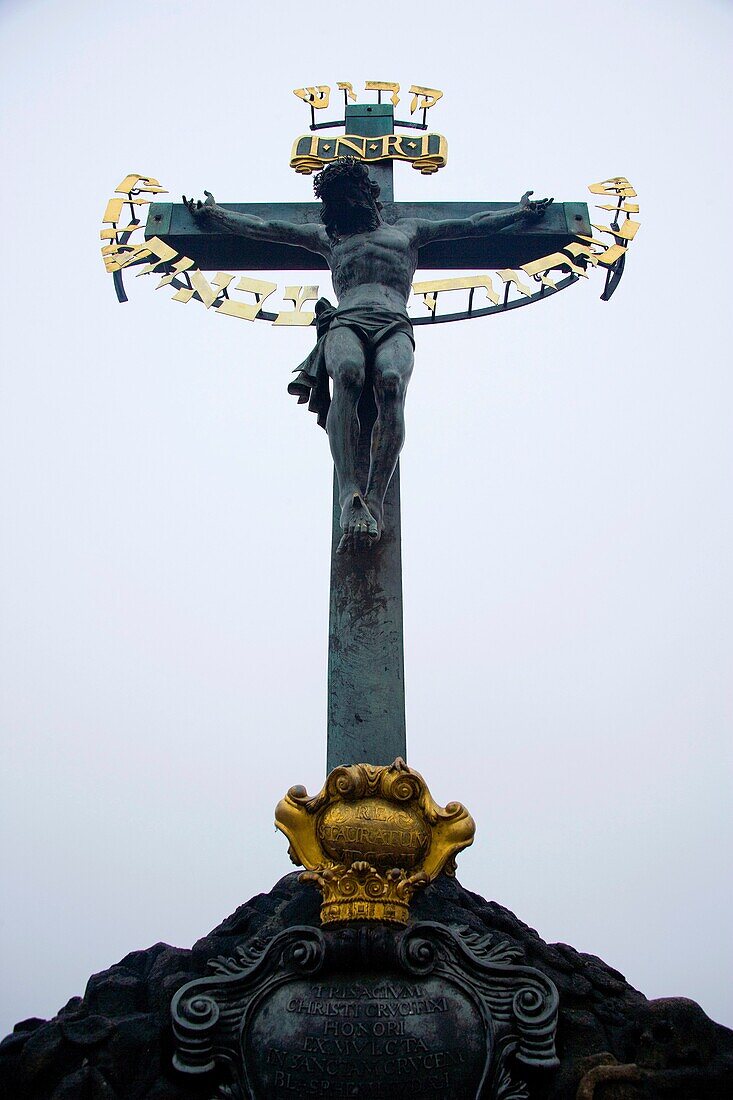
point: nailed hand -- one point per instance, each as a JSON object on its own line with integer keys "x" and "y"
{"x": 199, "y": 208}
{"x": 534, "y": 208}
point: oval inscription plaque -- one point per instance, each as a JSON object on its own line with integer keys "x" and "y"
{"x": 374, "y": 830}
{"x": 362, "y": 1035}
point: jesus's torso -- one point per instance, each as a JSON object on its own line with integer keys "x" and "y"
{"x": 374, "y": 268}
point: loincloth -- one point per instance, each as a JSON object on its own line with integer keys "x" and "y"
{"x": 372, "y": 326}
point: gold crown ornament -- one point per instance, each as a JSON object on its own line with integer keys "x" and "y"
{"x": 370, "y": 838}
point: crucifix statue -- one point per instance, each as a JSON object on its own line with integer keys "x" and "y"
{"x": 356, "y": 376}
{"x": 373, "y": 836}
{"x": 368, "y": 338}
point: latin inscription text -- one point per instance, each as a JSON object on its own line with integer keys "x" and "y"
{"x": 375, "y": 1040}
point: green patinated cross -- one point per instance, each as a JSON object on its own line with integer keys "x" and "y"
{"x": 366, "y": 697}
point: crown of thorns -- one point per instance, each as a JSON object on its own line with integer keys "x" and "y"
{"x": 343, "y": 174}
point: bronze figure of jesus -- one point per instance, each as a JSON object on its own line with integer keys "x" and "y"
{"x": 368, "y": 335}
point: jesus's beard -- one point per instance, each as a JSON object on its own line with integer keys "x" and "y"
{"x": 343, "y": 217}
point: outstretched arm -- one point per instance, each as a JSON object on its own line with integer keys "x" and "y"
{"x": 306, "y": 235}
{"x": 422, "y": 231}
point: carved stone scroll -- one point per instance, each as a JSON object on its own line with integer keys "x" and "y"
{"x": 432, "y": 1011}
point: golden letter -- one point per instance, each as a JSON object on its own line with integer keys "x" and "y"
{"x": 130, "y": 183}
{"x": 247, "y": 311}
{"x": 423, "y": 98}
{"x": 433, "y": 287}
{"x": 547, "y": 263}
{"x": 355, "y": 145}
{"x": 201, "y": 287}
{"x": 113, "y": 213}
{"x": 607, "y": 256}
{"x": 298, "y": 295}
{"x": 114, "y": 256}
{"x": 616, "y": 185}
{"x": 181, "y": 265}
{"x": 576, "y": 249}
{"x": 392, "y": 145}
{"x": 512, "y": 277}
{"x": 627, "y": 230}
{"x": 624, "y": 208}
{"x": 117, "y": 257}
{"x": 317, "y": 96}
{"x": 112, "y": 234}
{"x": 348, "y": 89}
{"x": 164, "y": 253}
{"x": 384, "y": 86}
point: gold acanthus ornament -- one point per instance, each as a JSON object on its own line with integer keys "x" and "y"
{"x": 370, "y": 838}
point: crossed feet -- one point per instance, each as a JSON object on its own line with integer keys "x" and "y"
{"x": 361, "y": 523}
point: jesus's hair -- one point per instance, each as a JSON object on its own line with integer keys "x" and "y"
{"x": 350, "y": 197}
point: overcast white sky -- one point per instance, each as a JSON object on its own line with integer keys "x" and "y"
{"x": 166, "y": 505}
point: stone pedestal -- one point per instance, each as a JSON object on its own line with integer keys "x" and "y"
{"x": 116, "y": 1042}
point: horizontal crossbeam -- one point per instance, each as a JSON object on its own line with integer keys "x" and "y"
{"x": 213, "y": 249}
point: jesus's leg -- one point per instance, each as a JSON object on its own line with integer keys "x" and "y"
{"x": 393, "y": 361}
{"x": 346, "y": 366}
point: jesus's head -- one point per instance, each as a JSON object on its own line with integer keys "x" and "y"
{"x": 350, "y": 198}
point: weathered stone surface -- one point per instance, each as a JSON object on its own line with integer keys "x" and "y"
{"x": 85, "y": 1084}
{"x": 86, "y": 1031}
{"x": 613, "y": 1043}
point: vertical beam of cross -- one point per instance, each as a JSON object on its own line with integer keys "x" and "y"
{"x": 366, "y": 682}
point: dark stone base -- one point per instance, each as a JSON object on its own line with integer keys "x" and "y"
{"x": 115, "y": 1042}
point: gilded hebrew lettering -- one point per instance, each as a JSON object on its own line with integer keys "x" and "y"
{"x": 181, "y": 265}
{"x": 547, "y": 263}
{"x": 348, "y": 89}
{"x": 617, "y": 234}
{"x": 608, "y": 255}
{"x": 114, "y": 256}
{"x": 310, "y": 151}
{"x": 512, "y": 277}
{"x": 432, "y": 287}
{"x": 164, "y": 255}
{"x": 616, "y": 185}
{"x": 183, "y": 294}
{"x": 423, "y": 98}
{"x": 120, "y": 256}
{"x": 298, "y": 295}
{"x": 384, "y": 86}
{"x": 623, "y": 208}
{"x": 201, "y": 286}
{"x": 131, "y": 183}
{"x": 580, "y": 248}
{"x": 113, "y": 213}
{"x": 317, "y": 96}
{"x": 627, "y": 229}
{"x": 247, "y": 311}
{"x": 113, "y": 234}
